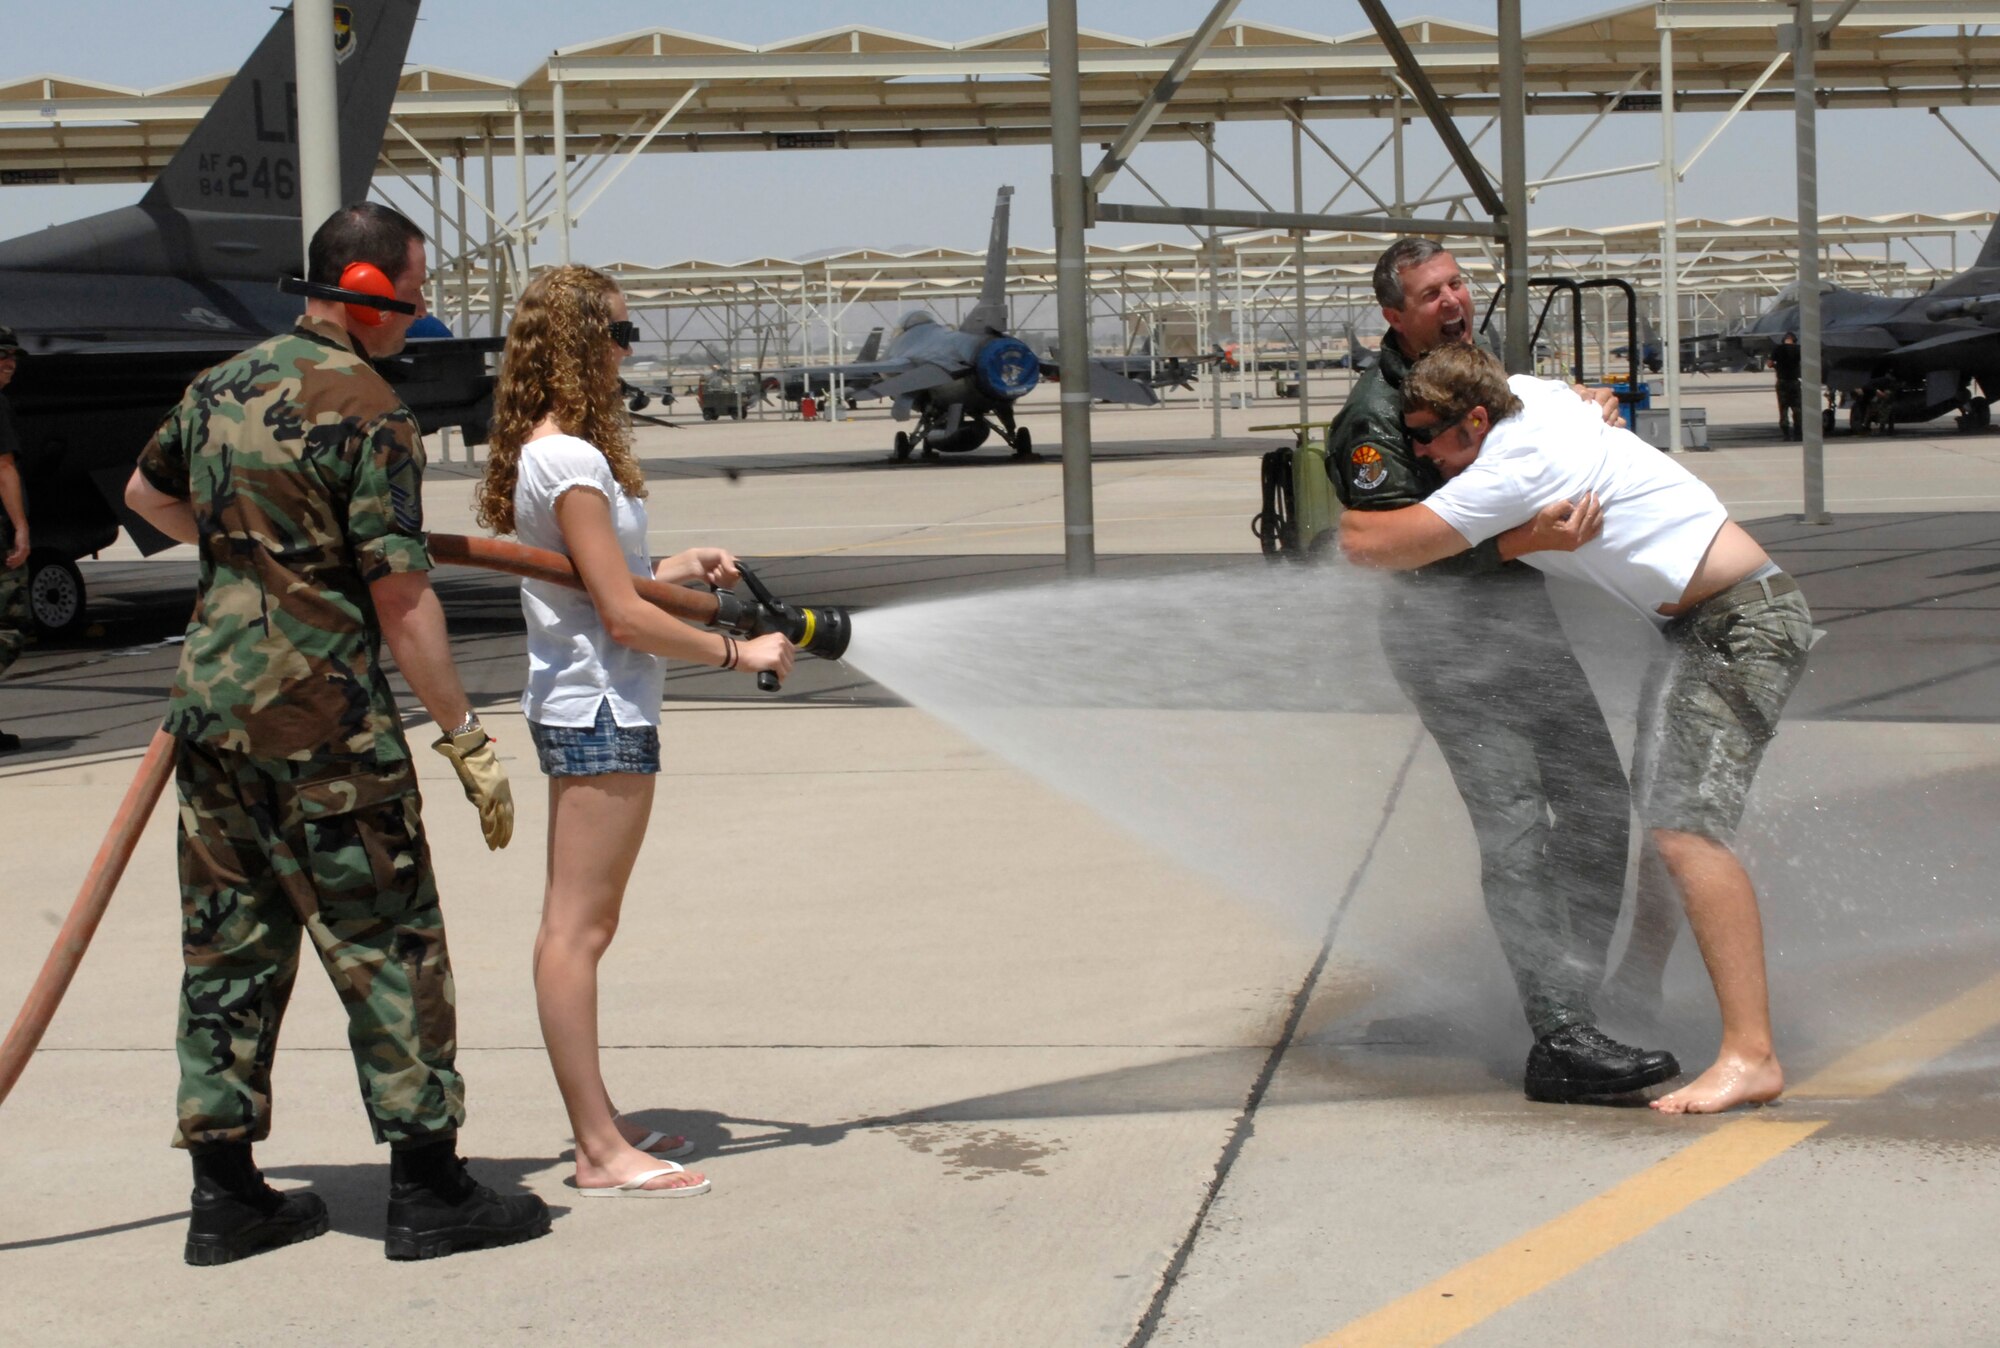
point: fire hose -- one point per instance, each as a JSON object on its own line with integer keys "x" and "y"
{"x": 822, "y": 631}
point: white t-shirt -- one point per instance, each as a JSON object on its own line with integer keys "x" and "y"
{"x": 1659, "y": 519}
{"x": 573, "y": 664}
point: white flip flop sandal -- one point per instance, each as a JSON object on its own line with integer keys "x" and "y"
{"x": 650, "y": 1143}
{"x": 636, "y": 1186}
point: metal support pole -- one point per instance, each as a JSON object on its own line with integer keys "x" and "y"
{"x": 1401, "y": 206}
{"x": 1299, "y": 270}
{"x": 1214, "y": 298}
{"x": 521, "y": 197}
{"x": 562, "y": 174}
{"x": 493, "y": 305}
{"x": 1805, "y": 106}
{"x": 319, "y": 116}
{"x": 1670, "y": 244}
{"x": 464, "y": 251}
{"x": 1072, "y": 287}
{"x": 1520, "y": 355}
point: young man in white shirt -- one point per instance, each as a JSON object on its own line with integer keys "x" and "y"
{"x": 1737, "y": 632}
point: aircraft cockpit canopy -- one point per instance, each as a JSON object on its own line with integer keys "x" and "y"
{"x": 914, "y": 319}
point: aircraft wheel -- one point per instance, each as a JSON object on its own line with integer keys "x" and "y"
{"x": 1978, "y": 415}
{"x": 1024, "y": 444}
{"x": 55, "y": 593}
{"x": 902, "y": 446}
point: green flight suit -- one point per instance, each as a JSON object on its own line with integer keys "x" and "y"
{"x": 1478, "y": 650}
{"x": 299, "y": 812}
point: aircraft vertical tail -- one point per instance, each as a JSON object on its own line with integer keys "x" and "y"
{"x": 990, "y": 314}
{"x": 1989, "y": 253}
{"x": 870, "y": 348}
{"x": 243, "y": 158}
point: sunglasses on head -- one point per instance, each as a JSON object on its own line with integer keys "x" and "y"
{"x": 625, "y": 332}
{"x": 1425, "y": 434}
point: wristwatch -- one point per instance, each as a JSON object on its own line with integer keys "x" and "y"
{"x": 467, "y": 726}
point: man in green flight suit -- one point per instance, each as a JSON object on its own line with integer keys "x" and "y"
{"x": 298, "y": 473}
{"x": 1479, "y": 651}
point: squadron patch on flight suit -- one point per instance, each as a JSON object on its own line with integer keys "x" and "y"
{"x": 1369, "y": 470}
{"x": 343, "y": 33}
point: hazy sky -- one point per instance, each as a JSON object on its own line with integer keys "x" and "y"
{"x": 732, "y": 206}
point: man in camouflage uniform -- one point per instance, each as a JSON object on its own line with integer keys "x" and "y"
{"x": 13, "y": 531}
{"x": 298, "y": 474}
{"x": 1477, "y": 648}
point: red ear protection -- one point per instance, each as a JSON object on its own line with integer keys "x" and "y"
{"x": 367, "y": 279}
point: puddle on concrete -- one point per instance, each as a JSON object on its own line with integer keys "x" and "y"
{"x": 975, "y": 1153}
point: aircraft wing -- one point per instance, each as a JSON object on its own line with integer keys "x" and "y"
{"x": 913, "y": 379}
{"x": 873, "y": 369}
{"x": 1944, "y": 341}
{"x": 1108, "y": 385}
{"x": 1111, "y": 386}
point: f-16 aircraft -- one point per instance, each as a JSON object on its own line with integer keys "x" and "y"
{"x": 1158, "y": 372}
{"x": 818, "y": 380}
{"x": 1905, "y": 359}
{"x": 117, "y": 312}
{"x": 956, "y": 378}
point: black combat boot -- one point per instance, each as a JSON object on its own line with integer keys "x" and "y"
{"x": 436, "y": 1208}
{"x": 9, "y": 742}
{"x": 237, "y": 1215}
{"x": 1578, "y": 1062}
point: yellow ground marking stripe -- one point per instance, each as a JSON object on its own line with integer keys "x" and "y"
{"x": 1472, "y": 1292}
{"x": 1886, "y": 1062}
{"x": 1554, "y": 1250}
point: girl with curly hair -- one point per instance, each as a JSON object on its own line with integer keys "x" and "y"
{"x": 561, "y": 476}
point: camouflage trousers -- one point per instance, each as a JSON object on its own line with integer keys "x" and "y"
{"x": 13, "y": 611}
{"x": 270, "y": 849}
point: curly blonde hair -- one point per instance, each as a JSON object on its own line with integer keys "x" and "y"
{"x": 558, "y": 364}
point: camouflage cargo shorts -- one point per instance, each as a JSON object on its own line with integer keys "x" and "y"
{"x": 1712, "y": 704}
{"x": 272, "y": 849}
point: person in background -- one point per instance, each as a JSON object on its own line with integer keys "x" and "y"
{"x": 560, "y": 475}
{"x": 14, "y": 540}
{"x": 1785, "y": 366}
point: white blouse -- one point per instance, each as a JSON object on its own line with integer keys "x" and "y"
{"x": 573, "y": 664}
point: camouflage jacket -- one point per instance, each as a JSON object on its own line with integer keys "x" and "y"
{"x": 1374, "y": 466}
{"x": 305, "y": 473}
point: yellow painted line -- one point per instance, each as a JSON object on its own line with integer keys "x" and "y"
{"x": 1886, "y": 1062}
{"x": 1473, "y": 1292}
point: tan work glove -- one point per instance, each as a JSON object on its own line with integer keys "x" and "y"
{"x": 479, "y": 771}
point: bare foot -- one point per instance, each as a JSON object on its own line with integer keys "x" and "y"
{"x": 667, "y": 1145}
{"x": 628, "y": 1166}
{"x": 1731, "y": 1081}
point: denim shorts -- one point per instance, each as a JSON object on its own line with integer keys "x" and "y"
{"x": 1712, "y": 705}
{"x": 606, "y": 747}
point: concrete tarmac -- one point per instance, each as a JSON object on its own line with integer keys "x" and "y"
{"x": 969, "y": 1065}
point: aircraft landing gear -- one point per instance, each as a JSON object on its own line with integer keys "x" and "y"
{"x": 1024, "y": 444}
{"x": 1977, "y": 416}
{"x": 902, "y": 454}
{"x": 55, "y": 593}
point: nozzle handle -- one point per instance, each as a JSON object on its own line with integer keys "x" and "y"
{"x": 767, "y": 681}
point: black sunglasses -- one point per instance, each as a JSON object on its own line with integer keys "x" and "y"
{"x": 625, "y": 332}
{"x": 1424, "y": 435}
